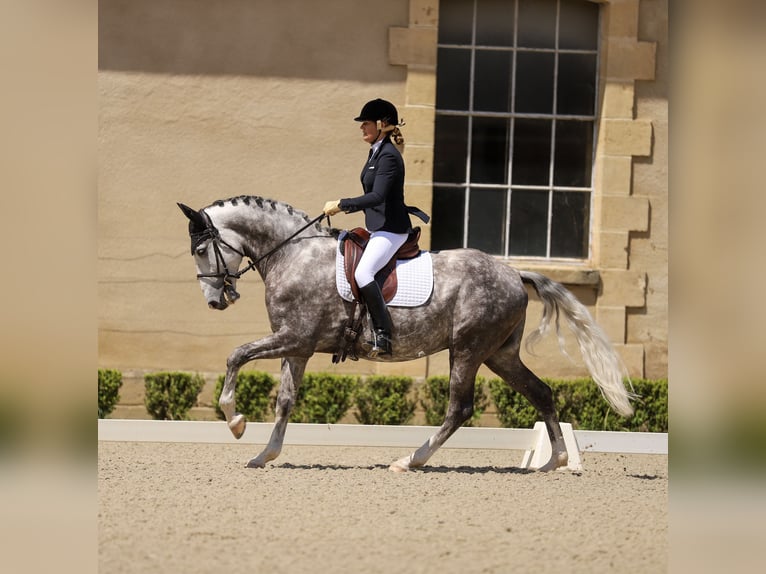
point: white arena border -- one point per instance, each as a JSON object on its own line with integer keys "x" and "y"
{"x": 533, "y": 441}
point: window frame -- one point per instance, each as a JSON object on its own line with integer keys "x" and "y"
{"x": 511, "y": 116}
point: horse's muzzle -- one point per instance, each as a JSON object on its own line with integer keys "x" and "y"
{"x": 229, "y": 296}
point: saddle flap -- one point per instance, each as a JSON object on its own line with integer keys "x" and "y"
{"x": 353, "y": 243}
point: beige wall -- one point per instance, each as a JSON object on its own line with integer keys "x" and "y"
{"x": 205, "y": 100}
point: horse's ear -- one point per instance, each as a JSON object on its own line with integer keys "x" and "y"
{"x": 194, "y": 216}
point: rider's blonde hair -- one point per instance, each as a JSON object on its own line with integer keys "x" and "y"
{"x": 395, "y": 134}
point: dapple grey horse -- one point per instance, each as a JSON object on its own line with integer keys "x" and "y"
{"x": 476, "y": 311}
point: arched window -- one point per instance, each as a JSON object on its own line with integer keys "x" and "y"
{"x": 515, "y": 122}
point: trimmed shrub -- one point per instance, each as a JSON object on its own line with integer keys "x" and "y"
{"x": 109, "y": 383}
{"x": 323, "y": 398}
{"x": 580, "y": 403}
{"x": 382, "y": 400}
{"x": 252, "y": 395}
{"x": 434, "y": 400}
{"x": 170, "y": 396}
{"x": 513, "y": 410}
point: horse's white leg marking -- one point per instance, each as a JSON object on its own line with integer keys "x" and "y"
{"x": 276, "y": 345}
{"x": 460, "y": 409}
{"x": 235, "y": 421}
{"x": 420, "y": 456}
{"x": 559, "y": 454}
{"x": 292, "y": 375}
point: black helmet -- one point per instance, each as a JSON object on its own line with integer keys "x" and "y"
{"x": 378, "y": 109}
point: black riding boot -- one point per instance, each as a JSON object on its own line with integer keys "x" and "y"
{"x": 381, "y": 320}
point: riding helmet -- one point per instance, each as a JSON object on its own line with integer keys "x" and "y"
{"x": 378, "y": 109}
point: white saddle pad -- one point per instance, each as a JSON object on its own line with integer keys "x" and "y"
{"x": 415, "y": 278}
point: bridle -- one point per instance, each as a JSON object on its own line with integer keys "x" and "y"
{"x": 221, "y": 269}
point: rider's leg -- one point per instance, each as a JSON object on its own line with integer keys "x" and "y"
{"x": 380, "y": 249}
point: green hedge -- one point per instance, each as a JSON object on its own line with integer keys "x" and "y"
{"x": 580, "y": 403}
{"x": 252, "y": 395}
{"x": 323, "y": 398}
{"x": 171, "y": 395}
{"x": 388, "y": 400}
{"x": 382, "y": 400}
{"x": 109, "y": 383}
{"x": 434, "y": 399}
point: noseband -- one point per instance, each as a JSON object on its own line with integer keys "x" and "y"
{"x": 222, "y": 270}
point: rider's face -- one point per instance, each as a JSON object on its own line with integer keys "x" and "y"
{"x": 370, "y": 131}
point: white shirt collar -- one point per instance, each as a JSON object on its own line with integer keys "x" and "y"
{"x": 375, "y": 147}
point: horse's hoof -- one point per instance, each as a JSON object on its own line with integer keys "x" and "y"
{"x": 554, "y": 463}
{"x": 401, "y": 465}
{"x": 237, "y": 425}
{"x": 255, "y": 463}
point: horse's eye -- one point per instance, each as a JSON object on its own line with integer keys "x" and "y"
{"x": 201, "y": 250}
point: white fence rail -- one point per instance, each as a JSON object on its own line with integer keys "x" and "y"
{"x": 533, "y": 441}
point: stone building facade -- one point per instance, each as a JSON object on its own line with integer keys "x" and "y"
{"x": 203, "y": 101}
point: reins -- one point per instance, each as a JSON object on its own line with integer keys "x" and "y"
{"x": 215, "y": 236}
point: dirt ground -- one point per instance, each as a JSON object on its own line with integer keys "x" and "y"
{"x": 194, "y": 508}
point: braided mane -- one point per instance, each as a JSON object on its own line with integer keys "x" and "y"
{"x": 265, "y": 203}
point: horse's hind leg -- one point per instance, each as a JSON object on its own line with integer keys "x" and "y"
{"x": 462, "y": 380}
{"x": 291, "y": 377}
{"x": 508, "y": 365}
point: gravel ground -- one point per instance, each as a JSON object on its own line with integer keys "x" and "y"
{"x": 180, "y": 507}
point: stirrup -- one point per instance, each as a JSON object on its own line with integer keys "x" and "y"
{"x": 381, "y": 344}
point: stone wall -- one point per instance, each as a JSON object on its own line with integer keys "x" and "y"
{"x": 239, "y": 97}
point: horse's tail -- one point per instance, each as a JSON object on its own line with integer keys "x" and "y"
{"x": 603, "y": 362}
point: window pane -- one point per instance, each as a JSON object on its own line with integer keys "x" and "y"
{"x": 577, "y": 84}
{"x": 455, "y": 18}
{"x": 537, "y": 23}
{"x": 532, "y": 152}
{"x": 489, "y": 150}
{"x": 447, "y": 224}
{"x": 534, "y": 83}
{"x": 579, "y": 25}
{"x": 450, "y": 149}
{"x": 492, "y": 77}
{"x": 529, "y": 222}
{"x": 454, "y": 79}
{"x": 494, "y": 22}
{"x": 486, "y": 220}
{"x": 569, "y": 225}
{"x": 574, "y": 154}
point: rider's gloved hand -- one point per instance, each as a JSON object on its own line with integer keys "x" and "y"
{"x": 332, "y": 207}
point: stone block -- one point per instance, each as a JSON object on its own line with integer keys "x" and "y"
{"x": 626, "y": 137}
{"x": 633, "y": 357}
{"x": 622, "y": 288}
{"x": 612, "y": 321}
{"x": 613, "y": 249}
{"x": 421, "y": 88}
{"x": 619, "y": 99}
{"x": 424, "y": 13}
{"x": 419, "y": 125}
{"x": 614, "y": 175}
{"x": 622, "y": 16}
{"x": 630, "y": 60}
{"x": 620, "y": 213}
{"x": 418, "y": 162}
{"x": 412, "y": 46}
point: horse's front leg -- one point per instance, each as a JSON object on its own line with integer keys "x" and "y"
{"x": 292, "y": 375}
{"x": 276, "y": 345}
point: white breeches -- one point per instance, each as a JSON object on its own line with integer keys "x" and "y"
{"x": 379, "y": 251}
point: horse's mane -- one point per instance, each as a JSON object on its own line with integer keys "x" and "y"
{"x": 266, "y": 203}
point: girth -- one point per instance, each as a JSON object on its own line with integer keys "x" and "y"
{"x": 352, "y": 246}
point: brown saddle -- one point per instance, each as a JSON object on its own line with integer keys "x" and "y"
{"x": 352, "y": 246}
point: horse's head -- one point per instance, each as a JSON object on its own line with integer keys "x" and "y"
{"x": 217, "y": 256}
